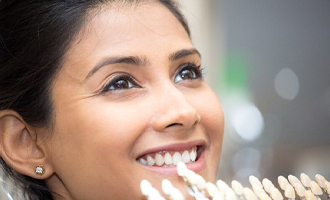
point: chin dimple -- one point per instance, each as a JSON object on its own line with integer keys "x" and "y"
{"x": 167, "y": 159}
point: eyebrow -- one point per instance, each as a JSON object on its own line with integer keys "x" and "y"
{"x": 183, "y": 53}
{"x": 131, "y": 60}
{"x": 140, "y": 60}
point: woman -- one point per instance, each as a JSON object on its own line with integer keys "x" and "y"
{"x": 97, "y": 95}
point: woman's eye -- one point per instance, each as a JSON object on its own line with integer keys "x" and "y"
{"x": 188, "y": 72}
{"x": 121, "y": 82}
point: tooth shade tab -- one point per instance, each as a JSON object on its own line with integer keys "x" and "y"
{"x": 237, "y": 187}
{"x": 219, "y": 196}
{"x": 154, "y": 194}
{"x": 305, "y": 180}
{"x": 145, "y": 186}
{"x": 294, "y": 180}
{"x": 300, "y": 190}
{"x": 191, "y": 177}
{"x": 171, "y": 191}
{"x": 176, "y": 195}
{"x": 264, "y": 196}
{"x": 309, "y": 195}
{"x": 276, "y": 194}
{"x": 289, "y": 192}
{"x": 211, "y": 189}
{"x": 320, "y": 180}
{"x": 249, "y": 194}
{"x": 327, "y": 186}
{"x": 258, "y": 190}
{"x": 222, "y": 186}
{"x": 282, "y": 181}
{"x": 181, "y": 168}
{"x": 167, "y": 186}
{"x": 315, "y": 188}
{"x": 267, "y": 184}
{"x": 230, "y": 195}
{"x": 255, "y": 181}
{"x": 201, "y": 183}
{"x": 150, "y": 192}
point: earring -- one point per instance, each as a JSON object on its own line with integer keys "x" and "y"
{"x": 40, "y": 170}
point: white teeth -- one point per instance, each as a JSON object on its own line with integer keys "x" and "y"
{"x": 143, "y": 161}
{"x": 193, "y": 155}
{"x": 150, "y": 161}
{"x": 159, "y": 159}
{"x": 185, "y": 157}
{"x": 176, "y": 158}
{"x": 168, "y": 159}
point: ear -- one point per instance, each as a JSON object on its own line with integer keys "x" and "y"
{"x": 20, "y": 146}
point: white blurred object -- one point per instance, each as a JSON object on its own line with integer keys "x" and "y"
{"x": 248, "y": 122}
{"x": 286, "y": 84}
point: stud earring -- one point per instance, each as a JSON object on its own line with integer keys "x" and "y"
{"x": 40, "y": 170}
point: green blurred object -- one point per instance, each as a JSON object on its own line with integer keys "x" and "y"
{"x": 235, "y": 73}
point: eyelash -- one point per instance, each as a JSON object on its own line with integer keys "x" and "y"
{"x": 125, "y": 77}
{"x": 196, "y": 70}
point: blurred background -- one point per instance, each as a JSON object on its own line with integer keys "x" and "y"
{"x": 269, "y": 64}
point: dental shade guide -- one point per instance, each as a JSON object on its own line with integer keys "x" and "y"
{"x": 199, "y": 189}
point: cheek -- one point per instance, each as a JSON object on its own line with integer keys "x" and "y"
{"x": 100, "y": 141}
{"x": 96, "y": 133}
{"x": 210, "y": 110}
{"x": 115, "y": 125}
{"x": 212, "y": 119}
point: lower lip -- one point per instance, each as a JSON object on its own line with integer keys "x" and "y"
{"x": 197, "y": 166}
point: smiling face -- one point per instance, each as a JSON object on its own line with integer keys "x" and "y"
{"x": 130, "y": 92}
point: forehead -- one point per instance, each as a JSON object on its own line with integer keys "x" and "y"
{"x": 122, "y": 28}
{"x": 117, "y": 29}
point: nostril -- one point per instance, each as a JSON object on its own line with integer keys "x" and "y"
{"x": 174, "y": 124}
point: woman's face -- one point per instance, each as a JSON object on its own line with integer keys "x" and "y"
{"x": 131, "y": 88}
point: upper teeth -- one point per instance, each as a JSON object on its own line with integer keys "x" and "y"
{"x": 167, "y": 160}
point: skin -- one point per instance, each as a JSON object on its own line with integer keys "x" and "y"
{"x": 98, "y": 136}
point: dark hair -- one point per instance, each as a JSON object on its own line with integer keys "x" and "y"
{"x": 34, "y": 36}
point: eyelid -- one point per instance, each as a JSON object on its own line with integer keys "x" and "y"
{"x": 115, "y": 78}
{"x": 194, "y": 65}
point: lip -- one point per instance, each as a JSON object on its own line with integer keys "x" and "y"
{"x": 197, "y": 166}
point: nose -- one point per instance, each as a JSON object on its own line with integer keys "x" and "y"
{"x": 173, "y": 110}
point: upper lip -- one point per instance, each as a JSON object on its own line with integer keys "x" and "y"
{"x": 172, "y": 147}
